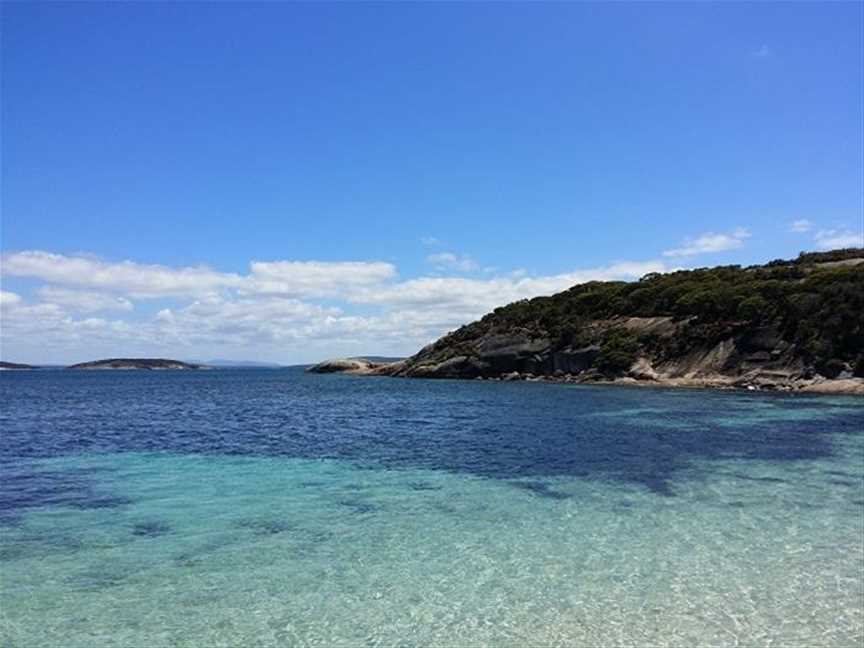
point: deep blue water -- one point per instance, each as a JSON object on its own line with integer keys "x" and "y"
{"x": 495, "y": 430}
{"x": 179, "y": 477}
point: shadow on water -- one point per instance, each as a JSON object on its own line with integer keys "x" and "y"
{"x": 24, "y": 486}
{"x": 520, "y": 433}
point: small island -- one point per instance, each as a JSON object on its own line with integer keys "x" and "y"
{"x": 152, "y": 364}
{"x": 8, "y": 366}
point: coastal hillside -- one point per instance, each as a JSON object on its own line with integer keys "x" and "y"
{"x": 785, "y": 324}
{"x": 14, "y": 365}
{"x": 135, "y": 363}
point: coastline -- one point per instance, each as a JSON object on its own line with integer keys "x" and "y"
{"x": 753, "y": 382}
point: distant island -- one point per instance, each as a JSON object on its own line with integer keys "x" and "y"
{"x": 785, "y": 325}
{"x": 7, "y": 366}
{"x": 136, "y": 363}
{"x": 238, "y": 364}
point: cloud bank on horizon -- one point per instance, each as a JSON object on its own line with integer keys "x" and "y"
{"x": 288, "y": 310}
{"x": 73, "y": 307}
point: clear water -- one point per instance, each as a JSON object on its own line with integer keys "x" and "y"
{"x": 275, "y": 508}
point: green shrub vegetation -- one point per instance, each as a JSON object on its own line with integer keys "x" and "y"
{"x": 617, "y": 352}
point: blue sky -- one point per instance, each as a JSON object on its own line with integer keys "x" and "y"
{"x": 294, "y": 181}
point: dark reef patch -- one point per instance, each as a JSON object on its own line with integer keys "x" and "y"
{"x": 764, "y": 480}
{"x": 312, "y": 484}
{"x": 358, "y": 506}
{"x": 101, "y": 577}
{"x": 423, "y": 486}
{"x": 540, "y": 488}
{"x": 193, "y": 556}
{"x": 94, "y": 580}
{"x": 846, "y": 482}
{"x": 25, "y": 486}
{"x": 264, "y": 526}
{"x": 354, "y": 487}
{"x": 98, "y": 501}
{"x": 33, "y": 544}
{"x": 840, "y": 473}
{"x": 151, "y": 528}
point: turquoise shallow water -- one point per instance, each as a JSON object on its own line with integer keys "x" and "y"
{"x": 389, "y": 512}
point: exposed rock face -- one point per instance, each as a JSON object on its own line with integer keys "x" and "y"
{"x": 135, "y": 363}
{"x": 730, "y": 363}
{"x": 575, "y": 361}
{"x": 343, "y": 365}
{"x": 361, "y": 366}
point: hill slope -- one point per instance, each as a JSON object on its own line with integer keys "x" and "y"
{"x": 134, "y": 363}
{"x": 15, "y": 365}
{"x": 785, "y": 324}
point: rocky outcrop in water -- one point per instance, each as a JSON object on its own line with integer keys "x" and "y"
{"x": 347, "y": 365}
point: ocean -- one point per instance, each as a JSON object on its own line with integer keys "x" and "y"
{"x": 264, "y": 507}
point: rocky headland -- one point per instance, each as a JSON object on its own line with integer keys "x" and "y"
{"x": 9, "y": 366}
{"x": 154, "y": 364}
{"x": 793, "y": 325}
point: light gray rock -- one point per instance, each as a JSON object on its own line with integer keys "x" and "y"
{"x": 343, "y": 365}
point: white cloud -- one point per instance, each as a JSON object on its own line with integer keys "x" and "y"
{"x": 709, "y": 243}
{"x": 139, "y": 281}
{"x": 314, "y": 278}
{"x": 83, "y": 301}
{"x": 243, "y": 322}
{"x": 269, "y": 312}
{"x": 449, "y": 261}
{"x": 838, "y": 238}
{"x": 142, "y": 281}
{"x": 801, "y": 225}
{"x": 29, "y": 320}
{"x": 430, "y": 241}
{"x": 479, "y": 295}
{"x": 9, "y": 299}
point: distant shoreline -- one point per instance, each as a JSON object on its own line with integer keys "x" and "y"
{"x": 125, "y": 364}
